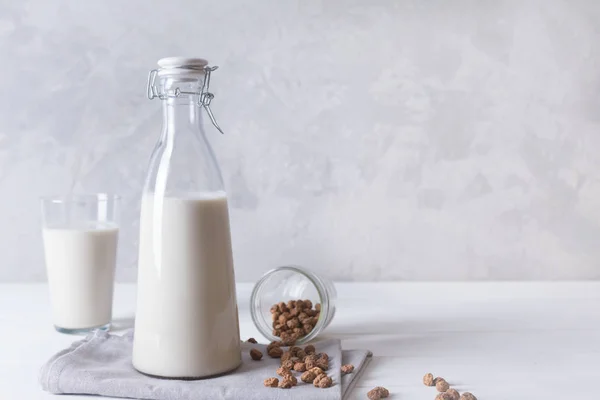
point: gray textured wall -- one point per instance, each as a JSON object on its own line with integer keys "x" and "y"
{"x": 368, "y": 139}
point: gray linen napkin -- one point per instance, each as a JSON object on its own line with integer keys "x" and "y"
{"x": 100, "y": 364}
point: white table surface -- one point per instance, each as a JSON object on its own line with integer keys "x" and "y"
{"x": 498, "y": 340}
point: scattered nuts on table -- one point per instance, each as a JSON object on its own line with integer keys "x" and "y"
{"x": 310, "y": 365}
{"x": 271, "y": 382}
{"x": 428, "y": 380}
{"x": 441, "y": 385}
{"x": 446, "y": 392}
{"x": 256, "y": 354}
{"x": 347, "y": 369}
{"x": 377, "y": 393}
{"x": 308, "y": 377}
{"x": 275, "y": 352}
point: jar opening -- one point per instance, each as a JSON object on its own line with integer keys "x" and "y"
{"x": 289, "y": 283}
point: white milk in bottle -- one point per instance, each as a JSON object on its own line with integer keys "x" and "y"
{"x": 186, "y": 321}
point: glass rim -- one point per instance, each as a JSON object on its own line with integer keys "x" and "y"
{"x": 101, "y": 197}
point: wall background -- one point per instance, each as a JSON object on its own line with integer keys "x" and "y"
{"x": 438, "y": 140}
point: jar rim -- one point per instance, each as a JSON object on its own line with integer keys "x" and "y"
{"x": 324, "y": 299}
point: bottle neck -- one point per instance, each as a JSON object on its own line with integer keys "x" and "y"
{"x": 181, "y": 113}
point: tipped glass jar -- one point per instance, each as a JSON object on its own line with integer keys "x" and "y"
{"x": 287, "y": 283}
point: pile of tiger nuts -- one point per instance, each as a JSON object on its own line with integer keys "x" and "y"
{"x": 294, "y": 319}
{"x": 309, "y": 364}
{"x": 446, "y": 393}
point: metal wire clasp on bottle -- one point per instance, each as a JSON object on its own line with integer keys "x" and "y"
{"x": 204, "y": 99}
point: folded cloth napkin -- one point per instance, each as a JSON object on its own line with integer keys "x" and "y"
{"x": 101, "y": 365}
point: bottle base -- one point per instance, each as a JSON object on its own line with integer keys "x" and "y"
{"x": 81, "y": 331}
{"x": 189, "y": 378}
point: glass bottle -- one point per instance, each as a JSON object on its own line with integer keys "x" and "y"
{"x": 291, "y": 282}
{"x": 186, "y": 323}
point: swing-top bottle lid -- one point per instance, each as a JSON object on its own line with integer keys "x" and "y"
{"x": 183, "y": 69}
{"x": 182, "y": 63}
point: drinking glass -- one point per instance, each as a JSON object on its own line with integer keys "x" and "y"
{"x": 80, "y": 235}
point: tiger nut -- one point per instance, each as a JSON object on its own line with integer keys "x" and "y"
{"x": 275, "y": 352}
{"x": 286, "y": 356}
{"x": 289, "y": 364}
{"x": 310, "y": 357}
{"x": 377, "y": 393}
{"x": 443, "y": 396}
{"x": 290, "y": 378}
{"x": 282, "y": 371}
{"x": 274, "y": 344}
{"x": 298, "y": 331}
{"x": 453, "y": 393}
{"x": 441, "y": 385}
{"x": 255, "y": 354}
{"x": 347, "y": 369}
{"x": 317, "y": 371}
{"x": 271, "y": 382}
{"x": 252, "y": 340}
{"x": 467, "y": 396}
{"x": 308, "y": 377}
{"x": 302, "y": 316}
{"x": 300, "y": 367}
{"x": 318, "y": 378}
{"x": 310, "y": 349}
{"x": 282, "y": 307}
{"x": 323, "y": 382}
{"x": 324, "y": 365}
{"x": 310, "y": 363}
{"x": 428, "y": 380}
{"x": 285, "y": 385}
